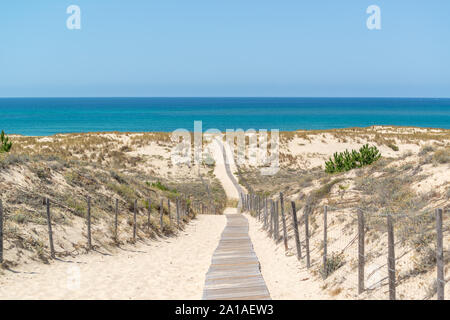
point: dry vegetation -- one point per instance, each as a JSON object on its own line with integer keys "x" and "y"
{"x": 68, "y": 168}
{"x": 410, "y": 180}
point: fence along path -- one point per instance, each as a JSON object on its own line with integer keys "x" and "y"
{"x": 235, "y": 272}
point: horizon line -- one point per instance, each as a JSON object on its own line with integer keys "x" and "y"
{"x": 225, "y": 97}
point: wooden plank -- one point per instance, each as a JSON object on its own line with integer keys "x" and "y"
{"x": 235, "y": 272}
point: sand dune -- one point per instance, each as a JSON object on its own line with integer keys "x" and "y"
{"x": 172, "y": 268}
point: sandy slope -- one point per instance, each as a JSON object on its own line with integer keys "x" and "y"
{"x": 285, "y": 277}
{"x": 171, "y": 268}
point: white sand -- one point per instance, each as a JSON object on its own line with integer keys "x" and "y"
{"x": 172, "y": 268}
{"x": 220, "y": 171}
{"x": 285, "y": 277}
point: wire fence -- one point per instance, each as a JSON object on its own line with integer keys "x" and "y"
{"x": 144, "y": 217}
{"x": 365, "y": 253}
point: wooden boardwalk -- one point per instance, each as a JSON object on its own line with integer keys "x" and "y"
{"x": 235, "y": 273}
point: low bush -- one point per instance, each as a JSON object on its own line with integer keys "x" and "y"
{"x": 334, "y": 262}
{"x": 442, "y": 156}
{"x": 162, "y": 187}
{"x": 345, "y": 161}
{"x": 426, "y": 149}
{"x": 5, "y": 144}
{"x": 393, "y": 146}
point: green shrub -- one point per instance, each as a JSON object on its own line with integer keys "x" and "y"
{"x": 393, "y": 146}
{"x": 426, "y": 149}
{"x": 5, "y": 144}
{"x": 345, "y": 161}
{"x": 162, "y": 187}
{"x": 20, "y": 218}
{"x": 334, "y": 262}
{"x": 442, "y": 156}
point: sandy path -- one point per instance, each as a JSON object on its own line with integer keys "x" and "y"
{"x": 285, "y": 277}
{"x": 221, "y": 171}
{"x": 172, "y": 268}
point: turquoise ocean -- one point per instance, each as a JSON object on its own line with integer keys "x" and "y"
{"x": 47, "y": 116}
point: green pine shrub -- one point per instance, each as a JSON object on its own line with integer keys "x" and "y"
{"x": 5, "y": 144}
{"x": 345, "y": 161}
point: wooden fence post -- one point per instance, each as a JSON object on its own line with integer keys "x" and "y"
{"x": 187, "y": 206}
{"x": 168, "y": 210}
{"x": 149, "y": 213}
{"x": 283, "y": 220}
{"x": 50, "y": 232}
{"x": 325, "y": 226}
{"x": 1, "y": 232}
{"x": 89, "y": 223}
{"x": 135, "y": 220}
{"x": 178, "y": 212}
{"x": 182, "y": 210}
{"x": 297, "y": 236}
{"x": 276, "y": 234}
{"x": 265, "y": 213}
{"x": 116, "y": 220}
{"x": 161, "y": 208}
{"x": 361, "y": 257}
{"x": 258, "y": 207}
{"x": 261, "y": 208}
{"x": 307, "y": 211}
{"x": 391, "y": 257}
{"x": 272, "y": 208}
{"x": 439, "y": 256}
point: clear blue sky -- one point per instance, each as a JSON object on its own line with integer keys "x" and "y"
{"x": 225, "y": 48}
